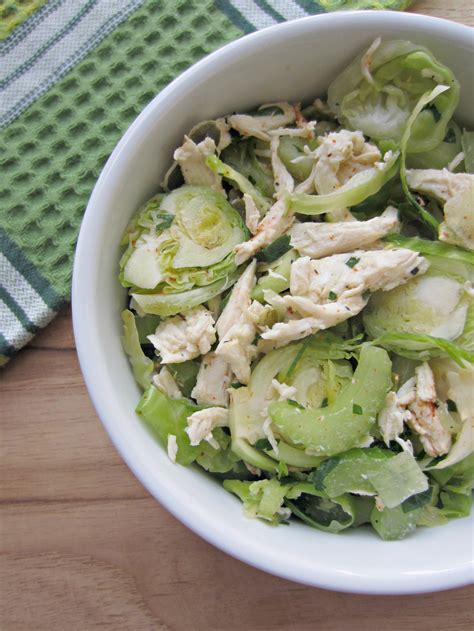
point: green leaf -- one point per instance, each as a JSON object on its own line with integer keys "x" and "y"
{"x": 417, "y": 501}
{"x": 432, "y": 248}
{"x": 142, "y": 366}
{"x": 165, "y": 417}
{"x": 393, "y": 524}
{"x": 242, "y": 183}
{"x": 417, "y": 346}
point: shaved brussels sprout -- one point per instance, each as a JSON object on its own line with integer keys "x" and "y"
{"x": 377, "y": 92}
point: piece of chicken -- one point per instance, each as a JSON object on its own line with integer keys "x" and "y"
{"x": 316, "y": 240}
{"x": 424, "y": 419}
{"x": 191, "y": 157}
{"x": 327, "y": 291}
{"x": 201, "y": 424}
{"x": 185, "y": 336}
{"x": 213, "y": 381}
{"x": 259, "y": 126}
{"x": 165, "y": 382}
{"x": 237, "y": 326}
{"x": 275, "y": 223}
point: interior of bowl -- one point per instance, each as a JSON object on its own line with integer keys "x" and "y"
{"x": 293, "y": 61}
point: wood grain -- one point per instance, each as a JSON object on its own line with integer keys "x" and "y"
{"x": 85, "y": 547}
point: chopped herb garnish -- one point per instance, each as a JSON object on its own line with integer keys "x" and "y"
{"x": 263, "y": 443}
{"x": 317, "y": 476}
{"x": 352, "y": 262}
{"x": 294, "y": 363}
{"x": 356, "y": 409}
{"x": 332, "y": 296}
{"x": 276, "y": 249}
{"x": 236, "y": 385}
{"x": 324, "y": 403}
{"x": 295, "y": 404}
{"x": 452, "y": 407}
{"x": 164, "y": 220}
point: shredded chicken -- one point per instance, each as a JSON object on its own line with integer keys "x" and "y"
{"x": 323, "y": 239}
{"x": 237, "y": 326}
{"x": 424, "y": 419}
{"x": 284, "y": 182}
{"x": 325, "y": 316}
{"x": 201, "y": 424}
{"x": 391, "y": 420}
{"x": 283, "y": 390}
{"x": 165, "y": 382}
{"x": 441, "y": 184}
{"x": 225, "y": 137}
{"x": 456, "y": 191}
{"x": 213, "y": 381}
{"x": 347, "y": 275}
{"x": 239, "y": 301}
{"x": 191, "y": 157}
{"x": 259, "y": 126}
{"x": 252, "y": 214}
{"x": 458, "y": 225}
{"x": 327, "y": 291}
{"x": 275, "y": 223}
{"x": 304, "y": 130}
{"x": 267, "y": 430}
{"x": 339, "y": 156}
{"x": 185, "y": 336}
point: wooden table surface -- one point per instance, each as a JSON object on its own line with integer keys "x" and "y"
{"x": 85, "y": 547}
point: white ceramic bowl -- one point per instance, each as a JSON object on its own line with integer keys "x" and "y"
{"x": 292, "y": 61}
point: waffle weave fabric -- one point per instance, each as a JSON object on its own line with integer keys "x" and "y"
{"x": 73, "y": 76}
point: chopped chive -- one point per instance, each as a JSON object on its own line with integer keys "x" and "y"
{"x": 352, "y": 262}
{"x": 356, "y": 409}
{"x": 295, "y": 404}
{"x": 452, "y": 407}
{"x": 165, "y": 220}
{"x": 324, "y": 403}
{"x": 263, "y": 443}
{"x": 332, "y": 296}
{"x": 275, "y": 250}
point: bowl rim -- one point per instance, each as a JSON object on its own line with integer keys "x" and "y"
{"x": 244, "y": 551}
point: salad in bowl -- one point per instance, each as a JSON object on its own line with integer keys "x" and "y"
{"x": 301, "y": 313}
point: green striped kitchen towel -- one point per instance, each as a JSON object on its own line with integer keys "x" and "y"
{"x": 73, "y": 75}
